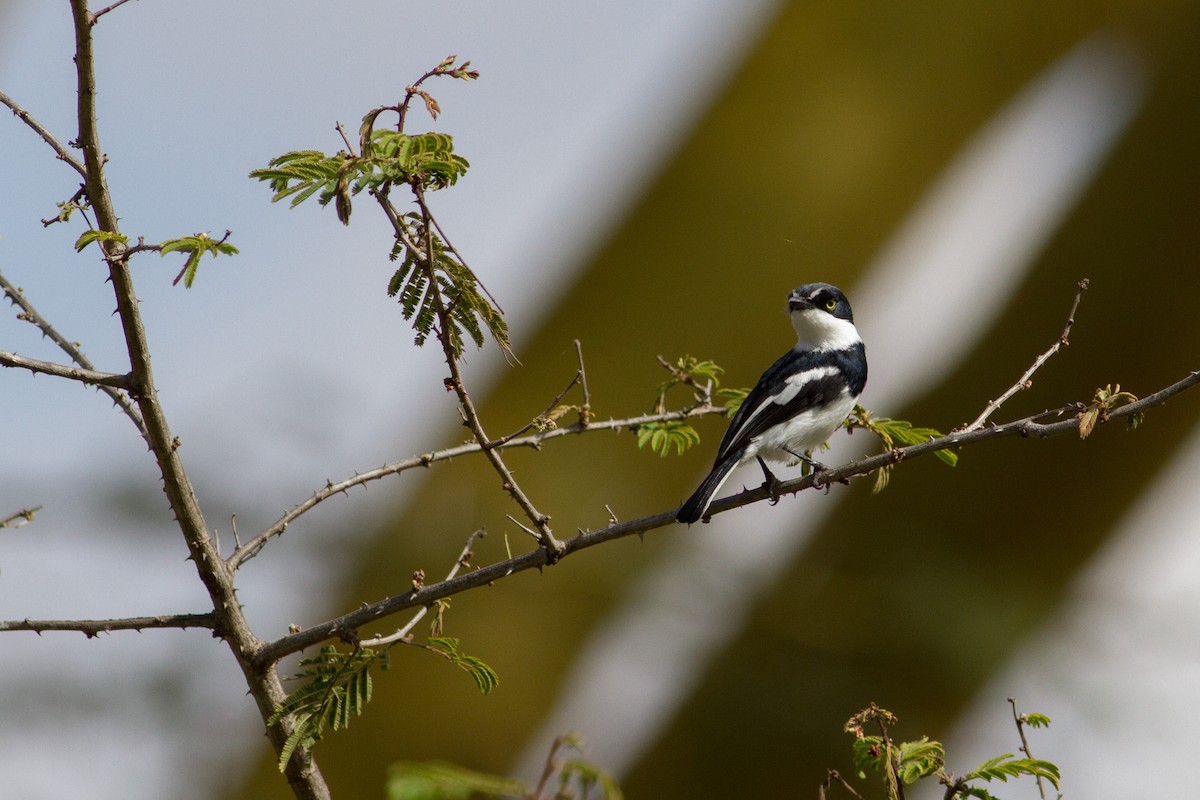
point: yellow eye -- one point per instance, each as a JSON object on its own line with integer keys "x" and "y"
{"x": 830, "y": 304}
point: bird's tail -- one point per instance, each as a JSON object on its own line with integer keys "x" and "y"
{"x": 695, "y": 506}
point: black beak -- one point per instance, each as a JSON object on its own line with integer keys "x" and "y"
{"x": 798, "y": 303}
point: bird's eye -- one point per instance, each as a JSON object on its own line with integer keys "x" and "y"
{"x": 830, "y": 304}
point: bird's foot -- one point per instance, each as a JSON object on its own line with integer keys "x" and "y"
{"x": 770, "y": 482}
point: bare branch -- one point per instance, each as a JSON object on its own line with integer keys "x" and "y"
{"x": 88, "y": 376}
{"x": 31, "y": 315}
{"x": 1043, "y": 425}
{"x": 1024, "y": 381}
{"x": 19, "y": 519}
{"x": 47, "y": 137}
{"x": 98, "y": 14}
{"x": 470, "y": 415}
{"x": 94, "y": 627}
{"x": 541, "y": 418}
{"x": 464, "y": 559}
{"x": 251, "y": 548}
{"x": 585, "y": 413}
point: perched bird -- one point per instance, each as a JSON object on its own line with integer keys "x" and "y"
{"x": 800, "y": 400}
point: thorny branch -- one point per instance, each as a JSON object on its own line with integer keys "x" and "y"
{"x": 535, "y": 440}
{"x": 94, "y": 627}
{"x": 1040, "y": 426}
{"x": 62, "y": 152}
{"x": 1019, "y": 719}
{"x": 1025, "y": 382}
{"x": 471, "y": 417}
{"x": 262, "y": 679}
{"x": 463, "y": 560}
{"x": 31, "y": 315}
{"x": 88, "y": 376}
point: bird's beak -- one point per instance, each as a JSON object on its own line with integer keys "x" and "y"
{"x": 798, "y": 303}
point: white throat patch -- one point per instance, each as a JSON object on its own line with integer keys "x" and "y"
{"x": 817, "y": 330}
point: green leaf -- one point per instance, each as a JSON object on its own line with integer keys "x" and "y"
{"x": 868, "y": 753}
{"x": 89, "y": 236}
{"x": 977, "y": 792}
{"x": 301, "y": 173}
{"x": 484, "y": 676}
{"x": 339, "y": 687}
{"x": 428, "y": 285}
{"x": 195, "y": 247}
{"x": 662, "y": 436}
{"x": 439, "y": 781}
{"x": 470, "y": 312}
{"x": 1036, "y": 720}
{"x": 706, "y": 370}
{"x": 1006, "y": 766}
{"x": 895, "y": 433}
{"x": 733, "y": 399}
{"x": 919, "y": 759}
{"x": 366, "y": 129}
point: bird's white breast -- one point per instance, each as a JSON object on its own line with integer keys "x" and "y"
{"x": 804, "y": 432}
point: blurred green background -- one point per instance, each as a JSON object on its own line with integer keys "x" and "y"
{"x": 820, "y": 145}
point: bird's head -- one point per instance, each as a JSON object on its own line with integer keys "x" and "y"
{"x": 822, "y": 317}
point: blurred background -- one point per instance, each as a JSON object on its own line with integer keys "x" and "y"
{"x": 651, "y": 180}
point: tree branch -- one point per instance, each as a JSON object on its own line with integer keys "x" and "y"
{"x": 463, "y": 560}
{"x": 94, "y": 627}
{"x": 63, "y": 153}
{"x": 470, "y": 415}
{"x": 31, "y": 315}
{"x": 1044, "y": 425}
{"x": 261, "y": 677}
{"x": 1024, "y": 382}
{"x": 88, "y": 376}
{"x": 19, "y": 519}
{"x": 251, "y": 548}
{"x": 1020, "y": 722}
{"x": 97, "y": 15}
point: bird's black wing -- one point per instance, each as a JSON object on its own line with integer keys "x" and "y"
{"x": 779, "y": 394}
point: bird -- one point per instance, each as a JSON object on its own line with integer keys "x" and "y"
{"x": 800, "y": 400}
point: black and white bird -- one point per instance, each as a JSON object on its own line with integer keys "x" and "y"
{"x": 800, "y": 400}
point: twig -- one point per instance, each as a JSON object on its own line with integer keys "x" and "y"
{"x": 245, "y": 552}
{"x": 532, "y": 533}
{"x": 895, "y": 786}
{"x": 509, "y": 483}
{"x": 1019, "y": 719}
{"x": 551, "y": 765}
{"x": 19, "y": 519}
{"x": 585, "y": 413}
{"x": 98, "y": 14}
{"x": 94, "y": 627}
{"x": 540, "y": 418}
{"x": 831, "y": 776}
{"x": 1065, "y": 420}
{"x": 449, "y": 246}
{"x": 463, "y": 560}
{"x": 1024, "y": 381}
{"x": 88, "y": 376}
{"x": 47, "y": 137}
{"x": 73, "y": 201}
{"x": 31, "y": 315}
{"x": 342, "y": 132}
